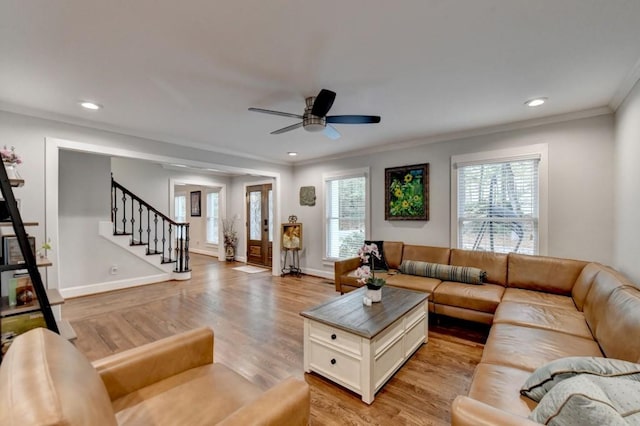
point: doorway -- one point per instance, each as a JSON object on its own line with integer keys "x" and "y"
{"x": 260, "y": 224}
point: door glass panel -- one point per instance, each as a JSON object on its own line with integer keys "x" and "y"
{"x": 270, "y": 215}
{"x": 255, "y": 213}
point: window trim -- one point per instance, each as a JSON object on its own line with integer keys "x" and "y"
{"x": 345, "y": 174}
{"x": 538, "y": 151}
{"x": 211, "y": 191}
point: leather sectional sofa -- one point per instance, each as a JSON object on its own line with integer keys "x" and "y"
{"x": 540, "y": 309}
{"x": 45, "y": 380}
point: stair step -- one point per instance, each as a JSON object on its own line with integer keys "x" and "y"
{"x": 165, "y": 260}
{"x": 122, "y": 233}
{"x": 152, "y": 252}
{"x": 137, "y": 243}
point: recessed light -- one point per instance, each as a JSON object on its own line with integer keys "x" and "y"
{"x": 292, "y": 154}
{"x": 90, "y": 105}
{"x": 535, "y": 102}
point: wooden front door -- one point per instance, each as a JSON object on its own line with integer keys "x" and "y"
{"x": 260, "y": 224}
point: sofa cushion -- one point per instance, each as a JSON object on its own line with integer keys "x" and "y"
{"x": 604, "y": 283}
{"x": 443, "y": 272}
{"x": 378, "y": 264}
{"x": 538, "y": 298}
{"x": 528, "y": 348}
{"x": 163, "y": 403}
{"x": 484, "y": 297}
{"x": 583, "y": 283}
{"x": 618, "y": 331}
{"x": 495, "y": 264}
{"x": 541, "y": 273}
{"x": 393, "y": 253}
{"x": 542, "y": 316}
{"x": 426, "y": 253}
{"x": 590, "y": 401}
{"x": 499, "y": 386}
{"x": 413, "y": 282}
{"x": 549, "y": 375}
{"x": 59, "y": 387}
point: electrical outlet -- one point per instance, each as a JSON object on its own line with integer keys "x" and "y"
{"x": 114, "y": 269}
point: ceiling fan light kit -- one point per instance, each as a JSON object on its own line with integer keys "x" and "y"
{"x": 315, "y": 119}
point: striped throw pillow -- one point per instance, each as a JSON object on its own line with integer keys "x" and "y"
{"x": 463, "y": 274}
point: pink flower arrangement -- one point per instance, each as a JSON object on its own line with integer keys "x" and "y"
{"x": 366, "y": 274}
{"x": 10, "y": 156}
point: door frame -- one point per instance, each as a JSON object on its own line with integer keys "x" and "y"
{"x": 246, "y": 223}
{"x": 275, "y": 244}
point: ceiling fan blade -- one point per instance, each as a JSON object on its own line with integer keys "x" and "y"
{"x": 353, "y": 119}
{"x": 331, "y": 132}
{"x": 323, "y": 103}
{"x": 287, "y": 129}
{"x": 268, "y": 111}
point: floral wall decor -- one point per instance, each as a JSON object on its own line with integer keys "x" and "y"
{"x": 407, "y": 192}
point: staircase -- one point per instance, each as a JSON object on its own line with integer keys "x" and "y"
{"x": 150, "y": 234}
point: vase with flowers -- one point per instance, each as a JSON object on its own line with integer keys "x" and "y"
{"x": 11, "y": 160}
{"x": 230, "y": 238}
{"x": 366, "y": 274}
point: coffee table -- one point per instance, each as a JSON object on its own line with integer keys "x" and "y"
{"x": 360, "y": 347}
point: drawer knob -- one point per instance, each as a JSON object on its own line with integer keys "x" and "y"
{"x": 333, "y": 361}
{"x": 334, "y": 337}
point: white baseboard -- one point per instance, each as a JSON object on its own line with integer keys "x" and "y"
{"x": 318, "y": 273}
{"x": 203, "y": 252}
{"x": 85, "y": 290}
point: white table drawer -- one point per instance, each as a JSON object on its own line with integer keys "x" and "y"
{"x": 335, "y": 337}
{"x": 414, "y": 337}
{"x": 415, "y": 315}
{"x": 335, "y": 365}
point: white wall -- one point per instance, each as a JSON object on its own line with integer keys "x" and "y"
{"x": 84, "y": 200}
{"x": 580, "y": 183}
{"x": 627, "y": 180}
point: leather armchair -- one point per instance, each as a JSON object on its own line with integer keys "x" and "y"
{"x": 45, "y": 380}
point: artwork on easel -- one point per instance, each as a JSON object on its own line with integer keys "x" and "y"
{"x": 292, "y": 236}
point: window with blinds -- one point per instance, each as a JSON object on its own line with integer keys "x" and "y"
{"x": 180, "y": 216}
{"x": 212, "y": 217}
{"x": 498, "y": 205}
{"x": 346, "y": 215}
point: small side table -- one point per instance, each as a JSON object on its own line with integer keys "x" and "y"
{"x": 292, "y": 268}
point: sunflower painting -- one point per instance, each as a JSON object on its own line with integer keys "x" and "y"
{"x": 407, "y": 193}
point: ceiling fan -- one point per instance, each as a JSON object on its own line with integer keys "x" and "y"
{"x": 315, "y": 118}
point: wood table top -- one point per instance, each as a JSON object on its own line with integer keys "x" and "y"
{"x": 348, "y": 313}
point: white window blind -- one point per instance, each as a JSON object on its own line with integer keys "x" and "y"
{"x": 212, "y": 217}
{"x": 180, "y": 204}
{"x": 346, "y": 215}
{"x": 498, "y": 205}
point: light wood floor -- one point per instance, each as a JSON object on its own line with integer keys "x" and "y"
{"x": 258, "y": 333}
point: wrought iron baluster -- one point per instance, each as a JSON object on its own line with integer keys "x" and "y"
{"x": 140, "y": 224}
{"x": 155, "y": 235}
{"x": 164, "y": 238}
{"x": 124, "y": 212}
{"x": 186, "y": 251}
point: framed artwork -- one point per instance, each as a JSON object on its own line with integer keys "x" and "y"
{"x": 307, "y": 195}
{"x": 406, "y": 192}
{"x": 196, "y": 197}
{"x": 11, "y": 253}
{"x": 291, "y": 236}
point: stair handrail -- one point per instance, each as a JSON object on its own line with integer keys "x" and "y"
{"x": 182, "y": 228}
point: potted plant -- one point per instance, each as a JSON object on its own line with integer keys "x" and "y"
{"x": 11, "y": 161}
{"x": 230, "y": 238}
{"x": 366, "y": 274}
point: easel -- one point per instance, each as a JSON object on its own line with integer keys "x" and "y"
{"x": 294, "y": 266}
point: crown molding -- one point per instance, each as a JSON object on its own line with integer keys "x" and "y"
{"x": 625, "y": 87}
{"x": 483, "y": 131}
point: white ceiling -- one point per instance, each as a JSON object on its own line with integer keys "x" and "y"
{"x": 186, "y": 72}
